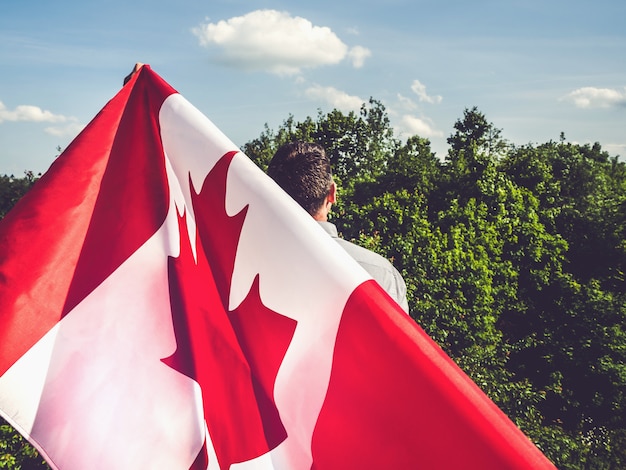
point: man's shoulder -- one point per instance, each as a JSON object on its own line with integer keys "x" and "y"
{"x": 379, "y": 267}
{"x": 363, "y": 255}
{"x": 359, "y": 253}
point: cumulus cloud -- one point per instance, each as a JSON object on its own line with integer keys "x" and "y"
{"x": 615, "y": 149}
{"x": 64, "y": 126}
{"x": 591, "y": 97}
{"x": 411, "y": 125}
{"x": 405, "y": 102}
{"x": 336, "y": 98}
{"x": 276, "y": 42}
{"x": 420, "y": 90}
{"x": 68, "y": 130}
{"x": 29, "y": 113}
{"x": 358, "y": 55}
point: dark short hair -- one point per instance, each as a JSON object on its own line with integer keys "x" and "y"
{"x": 303, "y": 170}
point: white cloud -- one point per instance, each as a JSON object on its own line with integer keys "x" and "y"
{"x": 406, "y": 103}
{"x": 615, "y": 149}
{"x": 420, "y": 90}
{"x": 276, "y": 42}
{"x": 591, "y": 97}
{"x": 336, "y": 98}
{"x": 69, "y": 130}
{"x": 29, "y": 113}
{"x": 411, "y": 125}
{"x": 358, "y": 55}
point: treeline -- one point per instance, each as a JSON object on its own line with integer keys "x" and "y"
{"x": 12, "y": 188}
{"x": 514, "y": 259}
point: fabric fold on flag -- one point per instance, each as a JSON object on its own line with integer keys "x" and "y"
{"x": 164, "y": 304}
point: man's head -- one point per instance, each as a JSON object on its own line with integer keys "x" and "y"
{"x": 302, "y": 169}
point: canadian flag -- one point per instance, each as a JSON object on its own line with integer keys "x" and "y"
{"x": 164, "y": 305}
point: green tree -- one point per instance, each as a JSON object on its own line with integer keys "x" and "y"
{"x": 16, "y": 453}
{"x": 12, "y": 189}
{"x": 570, "y": 335}
{"x": 513, "y": 257}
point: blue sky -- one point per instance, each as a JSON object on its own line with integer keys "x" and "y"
{"x": 535, "y": 68}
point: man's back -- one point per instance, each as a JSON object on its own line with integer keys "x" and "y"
{"x": 376, "y": 265}
{"x": 303, "y": 170}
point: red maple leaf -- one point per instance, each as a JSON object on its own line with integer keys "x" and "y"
{"x": 233, "y": 355}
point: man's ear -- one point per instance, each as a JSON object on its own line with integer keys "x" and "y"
{"x": 332, "y": 193}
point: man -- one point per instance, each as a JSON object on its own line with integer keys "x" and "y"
{"x": 303, "y": 170}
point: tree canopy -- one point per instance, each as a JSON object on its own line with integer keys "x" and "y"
{"x": 514, "y": 259}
